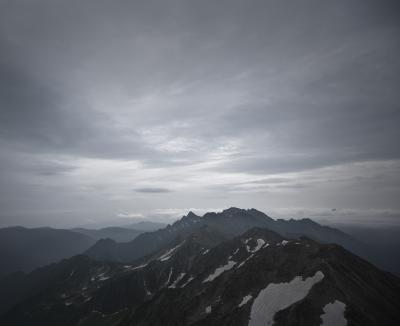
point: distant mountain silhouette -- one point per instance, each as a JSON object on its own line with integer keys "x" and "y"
{"x": 145, "y": 226}
{"x": 383, "y": 243}
{"x": 119, "y": 234}
{"x": 23, "y": 249}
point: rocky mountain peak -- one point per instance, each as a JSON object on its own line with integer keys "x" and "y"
{"x": 192, "y": 215}
{"x": 233, "y": 211}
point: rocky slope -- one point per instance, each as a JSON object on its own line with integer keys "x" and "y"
{"x": 199, "y": 278}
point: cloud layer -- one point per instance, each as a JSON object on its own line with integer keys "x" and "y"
{"x": 136, "y": 106}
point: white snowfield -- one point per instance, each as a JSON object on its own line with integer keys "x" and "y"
{"x": 100, "y": 277}
{"x": 246, "y": 242}
{"x": 283, "y": 243}
{"x": 220, "y": 270}
{"x": 233, "y": 254}
{"x": 260, "y": 244}
{"x": 103, "y": 277}
{"x": 180, "y": 276}
{"x": 191, "y": 278}
{"x": 334, "y": 314}
{"x": 131, "y": 268}
{"x": 276, "y": 297}
{"x": 169, "y": 276}
{"x": 169, "y": 253}
{"x": 245, "y": 261}
{"x": 206, "y": 251}
{"x": 246, "y": 299}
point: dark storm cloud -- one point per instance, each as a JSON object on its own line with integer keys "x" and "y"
{"x": 40, "y": 116}
{"x": 183, "y": 87}
{"x": 30, "y": 110}
{"x": 326, "y": 83}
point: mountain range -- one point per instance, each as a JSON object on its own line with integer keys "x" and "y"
{"x": 24, "y": 249}
{"x": 207, "y": 274}
{"x": 230, "y": 223}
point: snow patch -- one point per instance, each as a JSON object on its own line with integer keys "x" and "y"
{"x": 145, "y": 288}
{"x": 246, "y": 242}
{"x": 191, "y": 278}
{"x": 260, "y": 243}
{"x": 169, "y": 253}
{"x": 99, "y": 277}
{"x": 246, "y": 299}
{"x": 135, "y": 268}
{"x": 233, "y": 254}
{"x": 276, "y": 297}
{"x": 245, "y": 261}
{"x": 334, "y": 314}
{"x": 180, "y": 276}
{"x": 169, "y": 276}
{"x": 102, "y": 277}
{"x": 220, "y": 270}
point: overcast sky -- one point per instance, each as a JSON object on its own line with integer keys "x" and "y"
{"x": 112, "y": 110}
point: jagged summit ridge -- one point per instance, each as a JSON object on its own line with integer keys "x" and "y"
{"x": 209, "y": 217}
{"x": 229, "y": 223}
